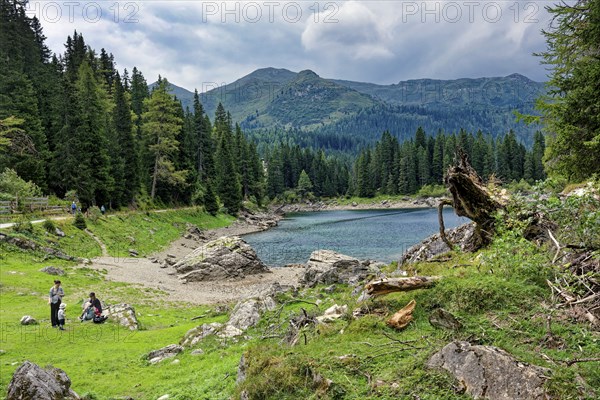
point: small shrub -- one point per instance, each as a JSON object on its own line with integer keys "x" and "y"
{"x": 23, "y": 225}
{"x": 49, "y": 226}
{"x": 80, "y": 221}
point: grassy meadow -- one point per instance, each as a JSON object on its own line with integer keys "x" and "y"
{"x": 499, "y": 295}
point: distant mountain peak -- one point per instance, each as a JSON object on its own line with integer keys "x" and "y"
{"x": 307, "y": 73}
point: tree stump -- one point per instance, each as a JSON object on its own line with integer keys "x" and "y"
{"x": 472, "y": 199}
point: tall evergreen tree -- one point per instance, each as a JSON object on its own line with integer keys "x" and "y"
{"x": 572, "y": 104}
{"x": 161, "y": 125}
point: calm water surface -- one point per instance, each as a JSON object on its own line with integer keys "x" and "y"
{"x": 381, "y": 235}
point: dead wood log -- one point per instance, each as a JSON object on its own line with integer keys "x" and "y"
{"x": 472, "y": 199}
{"x": 385, "y": 286}
{"x": 403, "y": 317}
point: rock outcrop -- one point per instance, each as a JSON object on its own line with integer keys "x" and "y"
{"x": 124, "y": 314}
{"x": 222, "y": 258}
{"x": 31, "y": 382}
{"x": 169, "y": 351}
{"x": 434, "y": 246}
{"x": 487, "y": 372}
{"x": 327, "y": 267}
{"x": 50, "y": 270}
{"x": 222, "y": 331}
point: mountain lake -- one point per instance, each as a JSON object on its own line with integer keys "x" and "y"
{"x": 381, "y": 235}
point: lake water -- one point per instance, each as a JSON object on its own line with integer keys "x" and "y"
{"x": 380, "y": 235}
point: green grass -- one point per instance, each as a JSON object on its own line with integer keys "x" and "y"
{"x": 149, "y": 232}
{"x": 499, "y": 295}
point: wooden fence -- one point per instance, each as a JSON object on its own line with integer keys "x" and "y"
{"x": 29, "y": 205}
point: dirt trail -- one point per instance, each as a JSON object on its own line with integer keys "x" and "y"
{"x": 148, "y": 273}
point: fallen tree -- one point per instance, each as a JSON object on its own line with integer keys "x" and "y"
{"x": 385, "y": 286}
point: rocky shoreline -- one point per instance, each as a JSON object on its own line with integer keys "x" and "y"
{"x": 334, "y": 205}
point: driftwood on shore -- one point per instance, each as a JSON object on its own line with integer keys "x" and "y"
{"x": 385, "y": 286}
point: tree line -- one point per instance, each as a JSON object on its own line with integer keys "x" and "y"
{"x": 391, "y": 167}
{"x": 73, "y": 124}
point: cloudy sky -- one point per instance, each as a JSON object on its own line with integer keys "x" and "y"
{"x": 199, "y": 44}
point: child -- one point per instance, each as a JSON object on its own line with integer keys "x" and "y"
{"x": 61, "y": 316}
{"x": 86, "y": 314}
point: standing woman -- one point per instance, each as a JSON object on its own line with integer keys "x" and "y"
{"x": 56, "y": 295}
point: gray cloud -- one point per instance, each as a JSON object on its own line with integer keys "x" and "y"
{"x": 194, "y": 43}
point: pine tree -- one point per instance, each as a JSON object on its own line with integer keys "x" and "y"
{"x": 304, "y": 184}
{"x": 572, "y": 105}
{"x": 127, "y": 148}
{"x": 211, "y": 205}
{"x": 160, "y": 126}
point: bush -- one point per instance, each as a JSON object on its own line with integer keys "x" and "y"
{"x": 23, "y": 225}
{"x": 49, "y": 226}
{"x": 13, "y": 185}
{"x": 80, "y": 221}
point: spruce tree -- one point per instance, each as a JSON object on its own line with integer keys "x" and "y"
{"x": 160, "y": 126}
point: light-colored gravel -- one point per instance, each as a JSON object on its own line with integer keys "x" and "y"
{"x": 143, "y": 271}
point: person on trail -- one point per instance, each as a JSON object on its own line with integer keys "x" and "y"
{"x": 102, "y": 209}
{"x": 91, "y": 308}
{"x": 61, "y": 316}
{"x": 54, "y": 299}
{"x": 73, "y": 207}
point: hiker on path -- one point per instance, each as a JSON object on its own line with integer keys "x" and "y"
{"x": 73, "y": 207}
{"x": 54, "y": 299}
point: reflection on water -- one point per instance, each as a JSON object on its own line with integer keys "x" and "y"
{"x": 381, "y": 235}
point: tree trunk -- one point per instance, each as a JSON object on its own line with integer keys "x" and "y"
{"x": 472, "y": 199}
{"x": 154, "y": 178}
{"x": 385, "y": 286}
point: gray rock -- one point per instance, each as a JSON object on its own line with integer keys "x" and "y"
{"x": 333, "y": 313}
{"x": 434, "y": 246}
{"x": 197, "y": 352}
{"x": 50, "y": 270}
{"x": 169, "y": 351}
{"x": 222, "y": 331}
{"x": 241, "y": 372}
{"x": 124, "y": 314}
{"x": 28, "y": 320}
{"x": 441, "y": 318}
{"x": 133, "y": 253}
{"x": 327, "y": 266}
{"x": 487, "y": 372}
{"x": 164, "y": 397}
{"x": 31, "y": 382}
{"x": 245, "y": 314}
{"x": 223, "y": 258}
{"x": 59, "y": 233}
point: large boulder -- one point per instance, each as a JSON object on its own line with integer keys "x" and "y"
{"x": 434, "y": 246}
{"x": 327, "y": 267}
{"x": 487, "y": 372}
{"x": 124, "y": 314}
{"x": 31, "y": 382}
{"x": 222, "y": 258}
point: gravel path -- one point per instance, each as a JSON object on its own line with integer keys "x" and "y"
{"x": 146, "y": 272}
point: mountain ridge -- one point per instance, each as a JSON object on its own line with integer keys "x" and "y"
{"x": 279, "y": 100}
